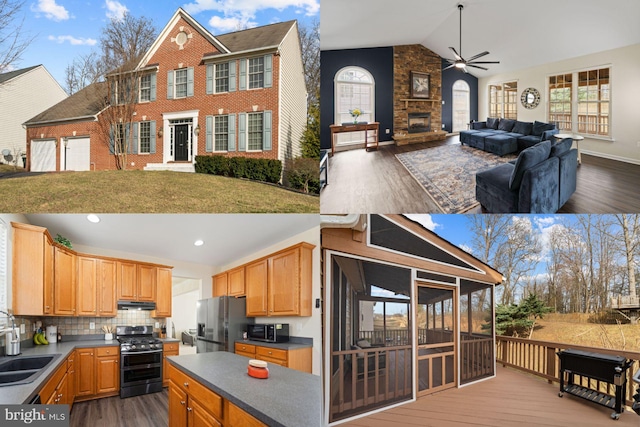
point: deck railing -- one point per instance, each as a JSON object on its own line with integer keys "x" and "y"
{"x": 476, "y": 357}
{"x": 624, "y": 301}
{"x": 539, "y": 358}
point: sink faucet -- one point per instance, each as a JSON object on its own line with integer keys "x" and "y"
{"x": 10, "y": 316}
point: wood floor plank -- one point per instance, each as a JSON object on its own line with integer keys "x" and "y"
{"x": 375, "y": 182}
{"x": 150, "y": 410}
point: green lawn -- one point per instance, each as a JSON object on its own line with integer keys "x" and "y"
{"x": 147, "y": 192}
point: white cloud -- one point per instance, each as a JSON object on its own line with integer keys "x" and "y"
{"x": 250, "y": 7}
{"x": 73, "y": 40}
{"x": 466, "y": 248}
{"x": 115, "y": 9}
{"x": 227, "y": 25}
{"x": 425, "y": 220}
{"x": 51, "y": 10}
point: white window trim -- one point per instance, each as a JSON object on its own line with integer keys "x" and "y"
{"x": 140, "y": 101}
{"x": 215, "y": 70}
{"x": 503, "y": 103}
{"x": 247, "y": 130}
{"x": 337, "y": 115}
{"x": 249, "y": 74}
{"x": 175, "y": 83}
{"x": 166, "y": 129}
{"x": 215, "y": 118}
{"x": 139, "y": 141}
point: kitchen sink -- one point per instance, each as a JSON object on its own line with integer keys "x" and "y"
{"x": 23, "y": 369}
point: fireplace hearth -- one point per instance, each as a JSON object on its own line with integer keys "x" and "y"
{"x": 419, "y": 122}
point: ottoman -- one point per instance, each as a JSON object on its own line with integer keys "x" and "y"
{"x": 500, "y": 144}
{"x": 465, "y": 135}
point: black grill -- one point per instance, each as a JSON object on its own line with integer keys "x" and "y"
{"x": 600, "y": 367}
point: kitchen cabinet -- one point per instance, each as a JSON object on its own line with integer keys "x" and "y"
{"x": 168, "y": 349}
{"x": 163, "y": 293}
{"x": 147, "y": 279}
{"x": 280, "y": 285}
{"x": 107, "y": 370}
{"x": 32, "y": 271}
{"x": 85, "y": 372}
{"x": 299, "y": 359}
{"x": 59, "y": 389}
{"x": 127, "y": 281}
{"x": 220, "y": 285}
{"x": 87, "y": 288}
{"x": 71, "y": 379}
{"x": 236, "y": 417}
{"x": 236, "y": 284}
{"x": 106, "y": 283}
{"x": 256, "y": 277}
{"x": 64, "y": 284}
{"x": 191, "y": 403}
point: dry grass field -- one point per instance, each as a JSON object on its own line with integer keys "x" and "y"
{"x": 575, "y": 329}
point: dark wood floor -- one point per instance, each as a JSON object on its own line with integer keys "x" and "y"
{"x": 376, "y": 182}
{"x": 150, "y": 410}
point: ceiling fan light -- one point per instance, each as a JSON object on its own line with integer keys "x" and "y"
{"x": 460, "y": 64}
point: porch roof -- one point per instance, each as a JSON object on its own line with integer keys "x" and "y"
{"x": 512, "y": 398}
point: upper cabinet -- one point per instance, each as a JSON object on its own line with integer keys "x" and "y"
{"x": 136, "y": 282}
{"x": 147, "y": 282}
{"x": 236, "y": 282}
{"x": 87, "y": 295}
{"x": 106, "y": 288}
{"x": 64, "y": 284}
{"x": 256, "y": 286}
{"x": 163, "y": 293}
{"x": 220, "y": 284}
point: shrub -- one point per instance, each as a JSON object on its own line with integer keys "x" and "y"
{"x": 265, "y": 170}
{"x": 304, "y": 174}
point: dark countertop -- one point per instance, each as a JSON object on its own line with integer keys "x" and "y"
{"x": 169, "y": 339}
{"x": 281, "y": 345}
{"x": 22, "y": 393}
{"x": 288, "y": 398}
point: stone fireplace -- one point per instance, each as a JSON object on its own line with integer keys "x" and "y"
{"x": 419, "y": 122}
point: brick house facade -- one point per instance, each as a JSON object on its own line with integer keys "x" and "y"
{"x": 237, "y": 94}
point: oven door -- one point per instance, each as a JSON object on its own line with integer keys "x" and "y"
{"x": 140, "y": 367}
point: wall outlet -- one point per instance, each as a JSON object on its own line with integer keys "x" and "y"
{"x": 298, "y": 327}
{"x": 23, "y": 328}
{"x": 443, "y": 102}
{"x": 157, "y": 325}
{"x": 92, "y": 325}
{"x": 387, "y": 131}
{"x": 443, "y": 126}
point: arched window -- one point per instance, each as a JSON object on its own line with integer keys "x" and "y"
{"x": 461, "y": 105}
{"x": 354, "y": 88}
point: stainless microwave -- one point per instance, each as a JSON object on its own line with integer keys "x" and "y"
{"x": 269, "y": 332}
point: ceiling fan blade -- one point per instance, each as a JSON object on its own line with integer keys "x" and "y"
{"x": 450, "y": 66}
{"x": 455, "y": 54}
{"x": 465, "y": 70}
{"x": 475, "y": 66}
{"x": 478, "y": 55}
{"x": 483, "y": 62}
{"x": 450, "y": 61}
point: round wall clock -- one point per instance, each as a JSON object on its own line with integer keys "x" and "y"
{"x": 530, "y": 98}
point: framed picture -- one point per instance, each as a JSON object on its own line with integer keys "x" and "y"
{"x": 420, "y": 84}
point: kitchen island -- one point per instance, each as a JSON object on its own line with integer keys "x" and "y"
{"x": 288, "y": 398}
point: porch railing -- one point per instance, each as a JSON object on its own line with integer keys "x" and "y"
{"x": 539, "y": 358}
{"x": 388, "y": 337}
{"x": 624, "y": 301}
{"x": 476, "y": 357}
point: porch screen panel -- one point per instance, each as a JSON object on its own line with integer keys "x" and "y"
{"x": 476, "y": 331}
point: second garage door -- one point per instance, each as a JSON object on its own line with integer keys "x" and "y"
{"x": 78, "y": 152}
{"x": 43, "y": 155}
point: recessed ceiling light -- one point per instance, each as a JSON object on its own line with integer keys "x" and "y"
{"x": 93, "y": 218}
{"x": 199, "y": 242}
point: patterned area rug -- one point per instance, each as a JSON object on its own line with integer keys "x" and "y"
{"x": 448, "y": 173}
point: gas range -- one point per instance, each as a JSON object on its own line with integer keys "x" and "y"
{"x": 132, "y": 345}
{"x": 140, "y": 360}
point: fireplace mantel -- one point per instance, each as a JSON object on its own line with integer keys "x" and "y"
{"x": 407, "y": 101}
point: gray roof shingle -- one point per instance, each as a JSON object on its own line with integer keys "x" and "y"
{"x": 87, "y": 102}
{"x": 11, "y": 74}
{"x": 255, "y": 38}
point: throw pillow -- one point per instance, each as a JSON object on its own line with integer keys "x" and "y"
{"x": 492, "y": 123}
{"x": 506, "y": 125}
{"x": 539, "y": 127}
{"x": 523, "y": 128}
{"x": 527, "y": 159}
{"x": 561, "y": 147}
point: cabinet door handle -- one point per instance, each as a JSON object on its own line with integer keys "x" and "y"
{"x": 186, "y": 384}
{"x": 182, "y": 402}
{"x": 269, "y": 352}
{"x": 189, "y": 409}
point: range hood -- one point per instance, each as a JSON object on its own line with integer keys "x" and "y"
{"x": 136, "y": 305}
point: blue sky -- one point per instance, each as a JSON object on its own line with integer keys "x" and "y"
{"x": 65, "y": 29}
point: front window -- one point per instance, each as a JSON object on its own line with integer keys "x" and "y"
{"x": 255, "y": 127}
{"x": 221, "y": 133}
{"x": 594, "y": 94}
{"x": 222, "y": 77}
{"x": 354, "y": 89}
{"x": 256, "y": 72}
{"x": 181, "y": 83}
{"x": 503, "y": 100}
{"x": 120, "y": 142}
{"x": 560, "y": 110}
{"x": 145, "y": 88}
{"x": 145, "y": 137}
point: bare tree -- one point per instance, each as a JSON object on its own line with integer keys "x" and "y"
{"x": 13, "y": 42}
{"x": 630, "y": 224}
{"x": 310, "y": 45}
{"x": 83, "y": 71}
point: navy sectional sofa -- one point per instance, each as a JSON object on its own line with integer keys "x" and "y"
{"x": 504, "y": 136}
{"x": 541, "y": 180}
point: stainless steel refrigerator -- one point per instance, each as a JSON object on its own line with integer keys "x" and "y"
{"x": 221, "y": 321}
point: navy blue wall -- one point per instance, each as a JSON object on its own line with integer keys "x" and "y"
{"x": 449, "y": 77}
{"x": 379, "y": 62}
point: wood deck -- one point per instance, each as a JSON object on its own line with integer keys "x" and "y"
{"x": 511, "y": 398}
{"x": 376, "y": 182}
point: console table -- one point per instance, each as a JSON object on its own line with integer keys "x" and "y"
{"x": 357, "y": 127}
{"x": 575, "y": 138}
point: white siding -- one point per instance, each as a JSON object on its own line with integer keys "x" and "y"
{"x": 293, "y": 99}
{"x": 22, "y": 98}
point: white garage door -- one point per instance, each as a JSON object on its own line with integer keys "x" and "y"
{"x": 78, "y": 154}
{"x": 43, "y": 155}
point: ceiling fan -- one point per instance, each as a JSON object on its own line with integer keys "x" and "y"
{"x": 461, "y": 63}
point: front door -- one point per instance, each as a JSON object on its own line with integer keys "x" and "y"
{"x": 181, "y": 142}
{"x": 437, "y": 332}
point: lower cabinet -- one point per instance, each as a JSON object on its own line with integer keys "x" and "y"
{"x": 169, "y": 349}
{"x": 236, "y": 417}
{"x": 97, "y": 372}
{"x": 298, "y": 359}
{"x": 60, "y": 390}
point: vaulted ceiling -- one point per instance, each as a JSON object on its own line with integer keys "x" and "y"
{"x": 518, "y": 33}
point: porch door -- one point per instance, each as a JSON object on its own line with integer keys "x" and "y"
{"x": 181, "y": 143}
{"x": 437, "y": 331}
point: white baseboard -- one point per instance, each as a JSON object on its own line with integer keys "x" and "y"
{"x": 611, "y": 157}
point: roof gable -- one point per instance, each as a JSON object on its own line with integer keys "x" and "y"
{"x": 166, "y": 32}
{"x": 5, "y": 77}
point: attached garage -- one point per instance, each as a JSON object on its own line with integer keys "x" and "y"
{"x": 43, "y": 155}
{"x": 77, "y": 152}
